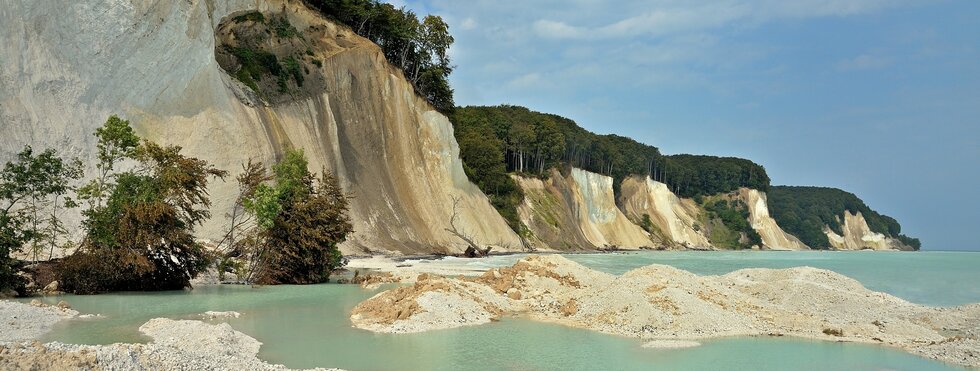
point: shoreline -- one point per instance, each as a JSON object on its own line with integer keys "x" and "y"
{"x": 174, "y": 344}
{"x": 662, "y": 303}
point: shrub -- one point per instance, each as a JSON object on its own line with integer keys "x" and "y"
{"x": 310, "y": 219}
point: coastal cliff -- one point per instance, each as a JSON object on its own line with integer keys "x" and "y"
{"x": 179, "y": 71}
{"x": 674, "y": 219}
{"x": 154, "y": 63}
{"x": 773, "y": 237}
{"x": 858, "y": 236}
{"x": 577, "y": 211}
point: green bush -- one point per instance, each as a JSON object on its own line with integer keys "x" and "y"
{"x": 303, "y": 218}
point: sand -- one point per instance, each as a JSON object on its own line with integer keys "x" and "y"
{"x": 659, "y": 303}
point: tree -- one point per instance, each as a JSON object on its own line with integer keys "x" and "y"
{"x": 472, "y": 249}
{"x": 240, "y": 241}
{"x": 140, "y": 235}
{"x": 11, "y": 239}
{"x": 312, "y": 220}
{"x": 116, "y": 142}
{"x": 33, "y": 184}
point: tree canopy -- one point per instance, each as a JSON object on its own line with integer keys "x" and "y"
{"x": 804, "y": 211}
{"x": 420, "y": 47}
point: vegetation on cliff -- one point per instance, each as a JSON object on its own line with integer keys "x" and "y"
{"x": 496, "y": 141}
{"x": 804, "y": 211}
{"x": 419, "y": 47}
{"x": 728, "y": 224}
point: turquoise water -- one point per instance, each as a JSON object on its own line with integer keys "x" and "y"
{"x": 931, "y": 278}
{"x": 307, "y": 326}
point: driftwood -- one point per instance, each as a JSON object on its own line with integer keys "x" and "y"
{"x": 472, "y": 250}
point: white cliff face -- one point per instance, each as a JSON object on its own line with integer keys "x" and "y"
{"x": 773, "y": 237}
{"x": 65, "y": 67}
{"x": 673, "y": 216}
{"x": 576, "y": 212}
{"x": 858, "y": 236}
{"x": 601, "y": 220}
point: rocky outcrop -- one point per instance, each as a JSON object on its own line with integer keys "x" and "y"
{"x": 858, "y": 236}
{"x": 577, "y": 211}
{"x": 176, "y": 345}
{"x": 674, "y": 218}
{"x": 773, "y": 237}
{"x": 665, "y": 306}
{"x": 67, "y": 67}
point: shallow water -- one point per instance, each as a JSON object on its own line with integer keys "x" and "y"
{"x": 307, "y": 326}
{"x": 937, "y": 278}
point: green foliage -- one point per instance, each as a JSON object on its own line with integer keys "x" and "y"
{"x": 11, "y": 239}
{"x": 142, "y": 237}
{"x": 532, "y": 143}
{"x": 292, "y": 68}
{"x": 253, "y": 16}
{"x": 116, "y": 142}
{"x": 281, "y": 26}
{"x": 804, "y": 211}
{"x": 264, "y": 204}
{"x": 914, "y": 243}
{"x": 31, "y": 188}
{"x": 483, "y": 162}
{"x": 734, "y": 216}
{"x": 419, "y": 48}
{"x": 692, "y": 175}
{"x": 311, "y": 219}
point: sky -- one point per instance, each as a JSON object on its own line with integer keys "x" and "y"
{"x": 877, "y": 97}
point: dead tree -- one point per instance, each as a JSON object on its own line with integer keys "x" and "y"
{"x": 472, "y": 250}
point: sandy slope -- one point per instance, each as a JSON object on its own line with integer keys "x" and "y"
{"x": 657, "y": 303}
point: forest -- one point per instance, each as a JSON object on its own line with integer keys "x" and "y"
{"x": 420, "y": 47}
{"x": 803, "y": 212}
{"x": 499, "y": 140}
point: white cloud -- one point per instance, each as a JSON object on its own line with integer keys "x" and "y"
{"x": 468, "y": 24}
{"x": 665, "y": 17}
{"x": 525, "y": 81}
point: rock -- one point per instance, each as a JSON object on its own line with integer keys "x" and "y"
{"x": 63, "y": 305}
{"x": 51, "y": 289}
{"x": 38, "y": 303}
{"x": 216, "y": 315}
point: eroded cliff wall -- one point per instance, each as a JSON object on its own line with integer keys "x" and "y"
{"x": 577, "y": 211}
{"x": 674, "y": 218}
{"x": 773, "y": 237}
{"x": 67, "y": 66}
{"x": 858, "y": 236}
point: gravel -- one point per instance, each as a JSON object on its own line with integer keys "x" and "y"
{"x": 176, "y": 345}
{"x": 660, "y": 303}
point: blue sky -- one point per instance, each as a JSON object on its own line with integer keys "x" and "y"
{"x": 880, "y": 98}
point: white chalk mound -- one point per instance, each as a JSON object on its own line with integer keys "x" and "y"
{"x": 660, "y": 303}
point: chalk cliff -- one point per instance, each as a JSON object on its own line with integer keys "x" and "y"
{"x": 673, "y": 218}
{"x": 577, "y": 211}
{"x": 773, "y": 237}
{"x": 858, "y": 236}
{"x": 153, "y": 62}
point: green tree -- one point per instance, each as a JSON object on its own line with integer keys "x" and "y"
{"x": 34, "y": 184}
{"x": 141, "y": 238}
{"x": 116, "y": 141}
{"x": 312, "y": 219}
